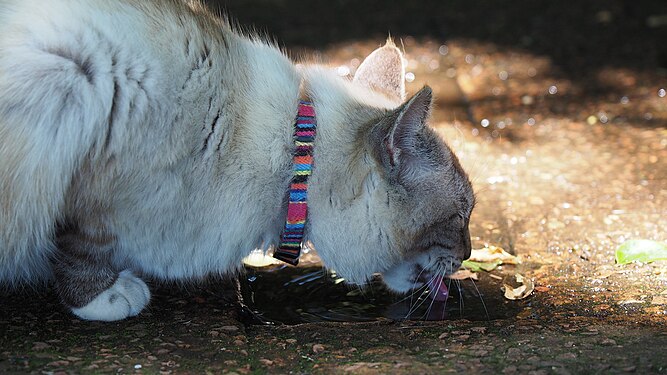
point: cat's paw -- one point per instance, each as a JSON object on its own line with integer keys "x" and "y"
{"x": 126, "y": 297}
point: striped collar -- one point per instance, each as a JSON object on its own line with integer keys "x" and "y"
{"x": 291, "y": 239}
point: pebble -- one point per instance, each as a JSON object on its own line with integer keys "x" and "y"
{"x": 480, "y": 353}
{"x": 229, "y": 328}
{"x": 478, "y": 329}
{"x": 566, "y": 356}
{"x": 58, "y": 363}
{"x": 514, "y": 353}
{"x": 607, "y": 342}
{"x": 318, "y": 348}
{"x": 40, "y": 345}
{"x": 510, "y": 370}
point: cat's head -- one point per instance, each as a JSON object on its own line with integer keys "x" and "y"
{"x": 387, "y": 194}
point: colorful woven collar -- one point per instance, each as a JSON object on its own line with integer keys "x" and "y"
{"x": 291, "y": 239}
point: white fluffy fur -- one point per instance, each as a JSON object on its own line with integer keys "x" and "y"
{"x": 125, "y": 298}
{"x": 107, "y": 115}
{"x": 174, "y": 216}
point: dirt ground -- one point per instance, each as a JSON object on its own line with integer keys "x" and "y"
{"x": 559, "y": 114}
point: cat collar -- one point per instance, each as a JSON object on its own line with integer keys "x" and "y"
{"x": 291, "y": 239}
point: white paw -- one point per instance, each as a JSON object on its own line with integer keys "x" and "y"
{"x": 126, "y": 297}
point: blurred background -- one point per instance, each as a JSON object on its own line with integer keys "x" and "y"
{"x": 578, "y": 37}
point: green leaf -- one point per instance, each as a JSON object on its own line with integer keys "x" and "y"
{"x": 644, "y": 251}
{"x": 481, "y": 266}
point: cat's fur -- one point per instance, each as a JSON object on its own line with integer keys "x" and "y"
{"x": 146, "y": 138}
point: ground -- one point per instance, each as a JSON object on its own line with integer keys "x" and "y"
{"x": 559, "y": 115}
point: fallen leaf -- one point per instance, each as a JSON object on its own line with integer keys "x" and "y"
{"x": 481, "y": 266}
{"x": 490, "y": 254}
{"x": 524, "y": 290}
{"x": 644, "y": 251}
{"x": 464, "y": 274}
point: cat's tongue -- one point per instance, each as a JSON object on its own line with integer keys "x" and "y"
{"x": 438, "y": 289}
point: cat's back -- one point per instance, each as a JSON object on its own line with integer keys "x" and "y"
{"x": 80, "y": 79}
{"x": 42, "y": 22}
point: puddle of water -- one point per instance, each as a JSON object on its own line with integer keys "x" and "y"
{"x": 291, "y": 295}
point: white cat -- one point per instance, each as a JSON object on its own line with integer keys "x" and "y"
{"x": 146, "y": 138}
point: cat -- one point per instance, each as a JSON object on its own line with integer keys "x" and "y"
{"x": 150, "y": 139}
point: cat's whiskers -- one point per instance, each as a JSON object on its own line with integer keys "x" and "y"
{"x": 414, "y": 305}
{"x": 414, "y": 283}
{"x": 479, "y": 294}
{"x": 461, "y": 301}
{"x": 412, "y": 293}
{"x": 449, "y": 288}
{"x": 430, "y": 306}
{"x": 414, "y": 308}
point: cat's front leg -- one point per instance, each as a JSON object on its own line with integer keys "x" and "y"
{"x": 87, "y": 283}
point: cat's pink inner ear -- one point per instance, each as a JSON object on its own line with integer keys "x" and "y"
{"x": 383, "y": 71}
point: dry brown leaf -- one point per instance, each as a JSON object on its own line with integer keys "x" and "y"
{"x": 491, "y": 254}
{"x": 524, "y": 290}
{"x": 464, "y": 274}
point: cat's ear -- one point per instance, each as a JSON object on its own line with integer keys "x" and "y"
{"x": 383, "y": 71}
{"x": 401, "y": 154}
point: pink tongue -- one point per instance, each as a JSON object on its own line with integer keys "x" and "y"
{"x": 438, "y": 289}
